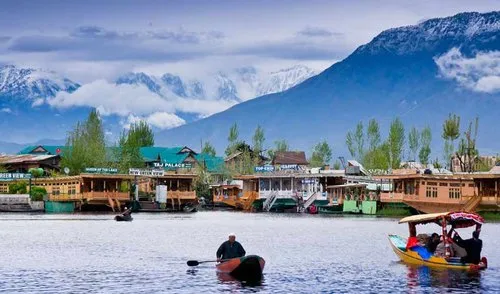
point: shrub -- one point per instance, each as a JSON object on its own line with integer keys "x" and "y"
{"x": 37, "y": 193}
{"x": 18, "y": 188}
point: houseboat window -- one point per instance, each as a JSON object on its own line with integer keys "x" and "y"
{"x": 264, "y": 185}
{"x": 287, "y": 184}
{"x": 276, "y": 184}
{"x": 454, "y": 193}
{"x": 471, "y": 185}
{"x": 431, "y": 184}
{"x": 454, "y": 184}
{"x": 409, "y": 188}
{"x": 431, "y": 192}
{"x": 443, "y": 184}
{"x": 55, "y": 191}
{"x": 423, "y": 183}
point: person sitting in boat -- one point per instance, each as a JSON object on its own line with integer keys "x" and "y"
{"x": 230, "y": 249}
{"x": 127, "y": 211}
{"x": 433, "y": 242}
{"x": 472, "y": 246}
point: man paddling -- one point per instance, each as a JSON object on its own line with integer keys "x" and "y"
{"x": 230, "y": 249}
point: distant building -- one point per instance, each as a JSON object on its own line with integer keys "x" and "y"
{"x": 480, "y": 163}
{"x": 290, "y": 160}
{"x": 22, "y": 163}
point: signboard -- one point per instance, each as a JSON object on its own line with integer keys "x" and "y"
{"x": 14, "y": 176}
{"x": 289, "y": 167}
{"x": 170, "y": 165}
{"x": 264, "y": 168}
{"x": 146, "y": 172}
{"x": 101, "y": 170}
{"x": 309, "y": 181}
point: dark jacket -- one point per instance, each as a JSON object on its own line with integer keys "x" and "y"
{"x": 432, "y": 245}
{"x": 473, "y": 248}
{"x": 228, "y": 250}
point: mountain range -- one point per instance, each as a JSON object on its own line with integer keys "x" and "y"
{"x": 420, "y": 73}
{"x": 25, "y": 95}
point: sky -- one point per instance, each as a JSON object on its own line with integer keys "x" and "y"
{"x": 91, "y": 40}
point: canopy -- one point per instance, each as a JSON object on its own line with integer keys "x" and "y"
{"x": 456, "y": 219}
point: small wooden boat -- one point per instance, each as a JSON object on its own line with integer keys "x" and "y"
{"x": 123, "y": 218}
{"x": 417, "y": 254}
{"x": 246, "y": 268}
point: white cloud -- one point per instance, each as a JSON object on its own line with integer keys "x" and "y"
{"x": 38, "y": 102}
{"x": 110, "y": 99}
{"x": 6, "y": 110}
{"x": 161, "y": 120}
{"x": 480, "y": 73}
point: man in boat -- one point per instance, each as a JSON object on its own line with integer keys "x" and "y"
{"x": 230, "y": 249}
{"x": 433, "y": 242}
{"x": 127, "y": 211}
{"x": 473, "y": 246}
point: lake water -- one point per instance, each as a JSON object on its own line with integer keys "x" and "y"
{"x": 84, "y": 253}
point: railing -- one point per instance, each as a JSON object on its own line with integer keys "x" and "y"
{"x": 105, "y": 195}
{"x": 181, "y": 194}
{"x": 65, "y": 197}
{"x": 311, "y": 200}
{"x": 472, "y": 203}
{"x": 270, "y": 200}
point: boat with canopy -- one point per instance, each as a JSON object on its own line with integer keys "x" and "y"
{"x": 411, "y": 251}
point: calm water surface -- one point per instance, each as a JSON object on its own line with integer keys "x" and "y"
{"x": 304, "y": 254}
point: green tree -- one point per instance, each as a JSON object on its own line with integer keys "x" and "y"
{"x": 321, "y": 155}
{"x": 425, "y": 143}
{"x": 349, "y": 141}
{"x": 258, "y": 140}
{"x": 94, "y": 139}
{"x": 141, "y": 134}
{"x": 396, "y": 142}
{"x": 279, "y": 146}
{"x": 359, "y": 140}
{"x": 208, "y": 149}
{"x": 337, "y": 165}
{"x": 414, "y": 142}
{"x": 232, "y": 139}
{"x": 202, "y": 182}
{"x": 373, "y": 134}
{"x": 451, "y": 132}
{"x": 377, "y": 158}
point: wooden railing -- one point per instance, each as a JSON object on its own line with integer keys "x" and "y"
{"x": 181, "y": 195}
{"x": 105, "y": 195}
{"x": 65, "y": 197}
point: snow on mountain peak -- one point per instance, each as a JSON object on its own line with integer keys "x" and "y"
{"x": 31, "y": 84}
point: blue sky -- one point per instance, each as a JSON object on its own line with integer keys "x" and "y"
{"x": 88, "y": 40}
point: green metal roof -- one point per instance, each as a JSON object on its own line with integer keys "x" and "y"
{"x": 149, "y": 154}
{"x": 213, "y": 163}
{"x": 50, "y": 149}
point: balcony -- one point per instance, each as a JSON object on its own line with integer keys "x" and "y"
{"x": 181, "y": 195}
{"x": 104, "y": 196}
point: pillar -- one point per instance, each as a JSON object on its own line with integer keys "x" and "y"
{"x": 91, "y": 185}
{"x": 496, "y": 192}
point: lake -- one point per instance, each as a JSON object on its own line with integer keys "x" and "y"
{"x": 88, "y": 253}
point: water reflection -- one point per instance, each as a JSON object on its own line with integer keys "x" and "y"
{"x": 225, "y": 278}
{"x": 419, "y": 277}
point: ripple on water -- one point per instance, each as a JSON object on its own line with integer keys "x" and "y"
{"x": 304, "y": 254}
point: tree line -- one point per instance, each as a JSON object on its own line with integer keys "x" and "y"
{"x": 86, "y": 146}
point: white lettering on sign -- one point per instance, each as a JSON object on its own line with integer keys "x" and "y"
{"x": 146, "y": 172}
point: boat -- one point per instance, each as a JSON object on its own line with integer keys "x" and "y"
{"x": 246, "y": 268}
{"x": 123, "y": 218}
{"x": 411, "y": 252}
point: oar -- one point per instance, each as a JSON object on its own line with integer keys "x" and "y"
{"x": 196, "y": 262}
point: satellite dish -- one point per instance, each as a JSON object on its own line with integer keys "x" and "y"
{"x": 66, "y": 170}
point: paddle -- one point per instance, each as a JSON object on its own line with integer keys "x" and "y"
{"x": 196, "y": 262}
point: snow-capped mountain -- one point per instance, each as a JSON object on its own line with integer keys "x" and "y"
{"x": 29, "y": 84}
{"x": 238, "y": 85}
{"x": 418, "y": 73}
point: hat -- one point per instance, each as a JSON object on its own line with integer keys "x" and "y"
{"x": 232, "y": 235}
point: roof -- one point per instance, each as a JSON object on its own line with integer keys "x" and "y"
{"x": 212, "y": 163}
{"x": 290, "y": 157}
{"x": 458, "y": 219}
{"x": 12, "y": 159}
{"x": 42, "y": 149}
